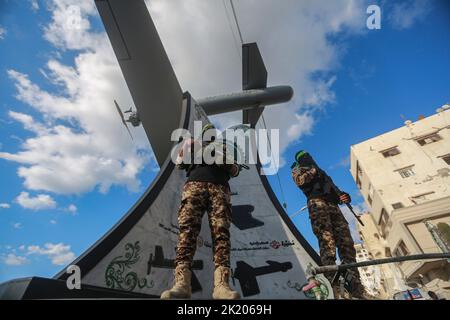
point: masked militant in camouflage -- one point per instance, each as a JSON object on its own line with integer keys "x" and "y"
{"x": 328, "y": 222}
{"x": 206, "y": 190}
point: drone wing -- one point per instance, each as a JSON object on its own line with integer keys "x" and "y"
{"x": 147, "y": 70}
{"x": 123, "y": 118}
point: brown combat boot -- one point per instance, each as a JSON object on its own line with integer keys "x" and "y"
{"x": 340, "y": 294}
{"x": 222, "y": 288}
{"x": 182, "y": 284}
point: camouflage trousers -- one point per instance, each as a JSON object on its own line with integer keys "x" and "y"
{"x": 197, "y": 198}
{"x": 332, "y": 231}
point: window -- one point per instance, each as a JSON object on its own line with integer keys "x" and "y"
{"x": 390, "y": 152}
{"x": 444, "y": 231}
{"x": 428, "y": 139}
{"x": 397, "y": 205}
{"x": 446, "y": 158}
{"x": 422, "y": 197}
{"x": 384, "y": 218}
{"x": 401, "y": 250}
{"x": 406, "y": 172}
{"x": 387, "y": 252}
{"x": 370, "y": 194}
{"x": 358, "y": 175}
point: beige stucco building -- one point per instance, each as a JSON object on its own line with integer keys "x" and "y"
{"x": 404, "y": 177}
{"x": 371, "y": 277}
{"x": 387, "y": 279}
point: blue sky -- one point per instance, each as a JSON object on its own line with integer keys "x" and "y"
{"x": 378, "y": 77}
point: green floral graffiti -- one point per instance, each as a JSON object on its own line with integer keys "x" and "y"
{"x": 116, "y": 275}
{"x": 309, "y": 293}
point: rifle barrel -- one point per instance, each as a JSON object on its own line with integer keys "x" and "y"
{"x": 354, "y": 213}
{"x": 342, "y": 267}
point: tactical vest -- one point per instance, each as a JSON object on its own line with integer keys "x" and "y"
{"x": 321, "y": 187}
{"x": 206, "y": 172}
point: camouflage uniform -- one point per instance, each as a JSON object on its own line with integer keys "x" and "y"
{"x": 197, "y": 198}
{"x": 206, "y": 189}
{"x": 329, "y": 225}
{"x": 332, "y": 230}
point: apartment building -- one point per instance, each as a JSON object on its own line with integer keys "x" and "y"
{"x": 404, "y": 177}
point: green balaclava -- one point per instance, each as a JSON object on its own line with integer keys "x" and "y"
{"x": 303, "y": 158}
{"x": 299, "y": 155}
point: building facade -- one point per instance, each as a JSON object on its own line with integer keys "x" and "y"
{"x": 370, "y": 275}
{"x": 404, "y": 177}
{"x": 390, "y": 278}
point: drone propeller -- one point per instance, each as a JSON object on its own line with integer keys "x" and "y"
{"x": 123, "y": 118}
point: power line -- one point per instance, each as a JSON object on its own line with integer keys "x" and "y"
{"x": 237, "y": 22}
{"x": 232, "y": 31}
{"x": 262, "y": 115}
{"x": 272, "y": 157}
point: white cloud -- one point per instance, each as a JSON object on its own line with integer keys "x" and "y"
{"x": 405, "y": 14}
{"x": 81, "y": 144}
{"x": 302, "y": 126}
{"x": 28, "y": 122}
{"x": 72, "y": 209}
{"x": 17, "y": 225}
{"x": 14, "y": 260}
{"x": 39, "y": 202}
{"x": 2, "y": 33}
{"x": 343, "y": 163}
{"x": 53, "y": 221}
{"x": 70, "y": 26}
{"x": 34, "y": 5}
{"x": 5, "y": 206}
{"x": 59, "y": 254}
{"x": 295, "y": 47}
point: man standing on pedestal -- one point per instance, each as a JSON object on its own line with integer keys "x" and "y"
{"x": 327, "y": 221}
{"x": 206, "y": 189}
